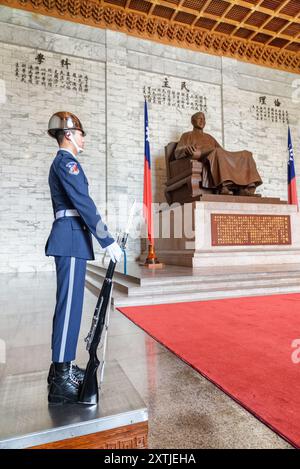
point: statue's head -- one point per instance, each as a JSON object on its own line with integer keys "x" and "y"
{"x": 198, "y": 120}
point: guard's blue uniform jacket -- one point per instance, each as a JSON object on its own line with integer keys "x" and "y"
{"x": 71, "y": 236}
{"x": 70, "y": 242}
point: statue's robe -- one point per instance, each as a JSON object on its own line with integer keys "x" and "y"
{"x": 219, "y": 165}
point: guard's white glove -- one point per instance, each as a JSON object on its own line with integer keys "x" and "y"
{"x": 114, "y": 251}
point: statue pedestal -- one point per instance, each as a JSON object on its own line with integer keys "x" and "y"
{"x": 210, "y": 233}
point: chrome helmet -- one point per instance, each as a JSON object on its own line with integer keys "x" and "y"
{"x": 64, "y": 121}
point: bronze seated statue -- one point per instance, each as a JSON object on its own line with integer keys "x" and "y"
{"x": 198, "y": 165}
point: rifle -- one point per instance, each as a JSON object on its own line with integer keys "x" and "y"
{"x": 89, "y": 394}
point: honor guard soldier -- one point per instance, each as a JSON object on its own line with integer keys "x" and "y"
{"x": 76, "y": 219}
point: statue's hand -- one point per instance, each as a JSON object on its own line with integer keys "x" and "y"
{"x": 193, "y": 152}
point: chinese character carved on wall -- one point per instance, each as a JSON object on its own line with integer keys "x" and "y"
{"x": 50, "y": 78}
{"x": 183, "y": 99}
{"x": 267, "y": 109}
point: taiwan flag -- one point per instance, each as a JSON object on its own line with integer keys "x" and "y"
{"x": 292, "y": 187}
{"x": 147, "y": 199}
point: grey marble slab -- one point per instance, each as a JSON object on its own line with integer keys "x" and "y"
{"x": 26, "y": 306}
{"x": 27, "y": 420}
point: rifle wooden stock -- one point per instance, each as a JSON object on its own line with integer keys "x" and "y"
{"x": 89, "y": 393}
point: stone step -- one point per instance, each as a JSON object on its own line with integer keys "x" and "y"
{"x": 130, "y": 280}
{"x": 120, "y": 298}
{"x": 196, "y": 286}
{"x": 97, "y": 278}
{"x": 101, "y": 270}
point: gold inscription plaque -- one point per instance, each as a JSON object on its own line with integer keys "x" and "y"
{"x": 246, "y": 230}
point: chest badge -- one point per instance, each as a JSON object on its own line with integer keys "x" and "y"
{"x": 73, "y": 168}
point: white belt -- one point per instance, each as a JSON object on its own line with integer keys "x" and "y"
{"x": 66, "y": 213}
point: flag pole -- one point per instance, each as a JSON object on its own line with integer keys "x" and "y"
{"x": 151, "y": 260}
{"x": 292, "y": 185}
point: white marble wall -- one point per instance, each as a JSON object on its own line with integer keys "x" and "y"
{"x": 27, "y": 152}
{"x": 118, "y": 67}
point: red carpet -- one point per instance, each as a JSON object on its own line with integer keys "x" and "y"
{"x": 243, "y": 345}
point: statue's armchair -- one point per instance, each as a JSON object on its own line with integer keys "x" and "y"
{"x": 184, "y": 177}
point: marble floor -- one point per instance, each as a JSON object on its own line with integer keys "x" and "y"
{"x": 185, "y": 410}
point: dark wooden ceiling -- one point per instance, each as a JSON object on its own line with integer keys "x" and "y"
{"x": 266, "y": 32}
{"x": 268, "y": 22}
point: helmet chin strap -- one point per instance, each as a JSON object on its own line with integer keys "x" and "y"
{"x": 78, "y": 148}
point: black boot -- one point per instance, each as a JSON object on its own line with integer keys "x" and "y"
{"x": 64, "y": 386}
{"x": 77, "y": 372}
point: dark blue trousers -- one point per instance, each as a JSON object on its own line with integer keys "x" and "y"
{"x": 70, "y": 276}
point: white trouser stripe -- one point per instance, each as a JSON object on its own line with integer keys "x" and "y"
{"x": 68, "y": 311}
